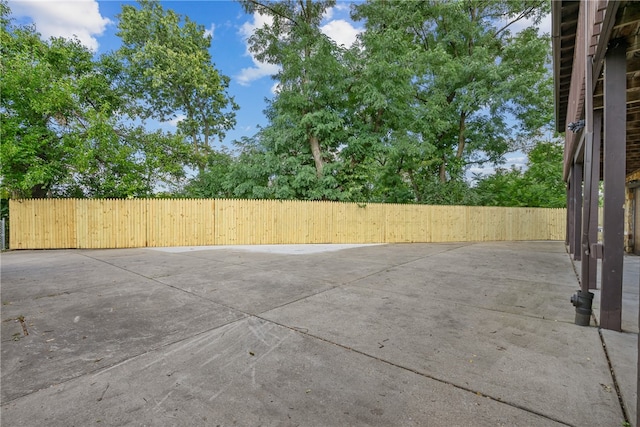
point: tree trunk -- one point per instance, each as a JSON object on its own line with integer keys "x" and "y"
{"x": 40, "y": 191}
{"x": 378, "y": 120}
{"x": 317, "y": 154}
{"x": 414, "y": 186}
{"x": 443, "y": 169}
{"x": 196, "y": 149}
{"x": 460, "y": 152}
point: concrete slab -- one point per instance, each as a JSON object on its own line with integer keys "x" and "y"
{"x": 531, "y": 298}
{"x": 247, "y": 289}
{"x": 630, "y": 293}
{"x": 536, "y": 364}
{"x": 409, "y": 334}
{"x": 73, "y": 330}
{"x": 530, "y": 246}
{"x": 149, "y": 263}
{"x": 514, "y": 261}
{"x": 271, "y": 249}
{"x": 622, "y": 347}
{"x": 393, "y": 254}
{"x": 253, "y": 372}
{"x": 32, "y": 277}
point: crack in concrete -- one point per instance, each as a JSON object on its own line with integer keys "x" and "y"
{"x": 616, "y": 386}
{"x": 25, "y": 332}
{"x": 625, "y": 414}
{"x": 307, "y": 334}
{"x": 422, "y": 374}
{"x": 107, "y": 368}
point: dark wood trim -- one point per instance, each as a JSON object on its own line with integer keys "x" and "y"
{"x": 576, "y": 178}
{"x": 605, "y": 34}
{"x": 615, "y": 90}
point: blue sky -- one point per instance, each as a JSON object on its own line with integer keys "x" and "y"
{"x": 94, "y": 22}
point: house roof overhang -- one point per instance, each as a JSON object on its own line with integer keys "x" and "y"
{"x": 612, "y": 20}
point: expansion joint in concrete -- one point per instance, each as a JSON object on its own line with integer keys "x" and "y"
{"x": 616, "y": 386}
{"x": 416, "y": 372}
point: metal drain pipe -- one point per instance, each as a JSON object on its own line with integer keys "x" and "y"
{"x": 582, "y": 301}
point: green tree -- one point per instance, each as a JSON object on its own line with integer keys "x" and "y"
{"x": 471, "y": 89}
{"x": 63, "y": 129}
{"x": 540, "y": 185}
{"x": 306, "y": 118}
{"x": 168, "y": 66}
{"x": 35, "y": 100}
{"x": 214, "y": 181}
{"x": 245, "y": 173}
{"x": 427, "y": 91}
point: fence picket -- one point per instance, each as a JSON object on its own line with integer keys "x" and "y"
{"x": 109, "y": 223}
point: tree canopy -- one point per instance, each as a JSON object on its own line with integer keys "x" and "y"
{"x": 75, "y": 125}
{"x": 167, "y": 65}
{"x": 540, "y": 185}
{"x": 475, "y": 89}
{"x": 426, "y": 92}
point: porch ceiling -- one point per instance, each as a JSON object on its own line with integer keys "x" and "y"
{"x": 626, "y": 27}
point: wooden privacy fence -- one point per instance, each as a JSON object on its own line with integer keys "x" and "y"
{"x": 109, "y": 223}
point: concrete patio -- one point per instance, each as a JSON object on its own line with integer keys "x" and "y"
{"x": 460, "y": 334}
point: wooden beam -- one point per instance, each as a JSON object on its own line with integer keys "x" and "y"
{"x": 603, "y": 39}
{"x": 632, "y": 99}
{"x": 556, "y": 20}
{"x": 589, "y": 264}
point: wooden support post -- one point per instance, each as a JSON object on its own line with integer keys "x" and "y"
{"x": 615, "y": 117}
{"x": 594, "y": 197}
{"x": 591, "y": 179}
{"x": 567, "y": 238}
{"x": 576, "y": 179}
{"x": 571, "y": 207}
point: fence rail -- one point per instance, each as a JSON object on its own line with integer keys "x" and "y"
{"x": 116, "y": 223}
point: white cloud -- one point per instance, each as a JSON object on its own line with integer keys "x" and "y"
{"x": 259, "y": 69}
{"x": 174, "y": 122}
{"x": 342, "y": 6}
{"x": 482, "y": 170}
{"x": 79, "y": 18}
{"x": 328, "y": 14}
{"x": 543, "y": 27}
{"x": 517, "y": 160}
{"x": 341, "y": 31}
{"x": 248, "y": 28}
{"x": 210, "y": 31}
{"x": 275, "y": 88}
